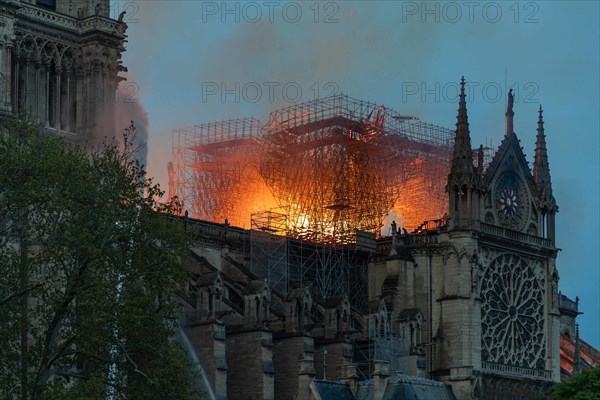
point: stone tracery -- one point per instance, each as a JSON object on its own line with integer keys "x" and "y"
{"x": 513, "y": 321}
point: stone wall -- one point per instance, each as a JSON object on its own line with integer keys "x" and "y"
{"x": 250, "y": 365}
{"x": 338, "y": 354}
{"x": 294, "y": 366}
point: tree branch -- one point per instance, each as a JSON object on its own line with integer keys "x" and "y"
{"x": 54, "y": 326}
{"x": 136, "y": 369}
{"x": 19, "y": 294}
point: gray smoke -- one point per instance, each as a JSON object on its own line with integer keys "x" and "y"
{"x": 128, "y": 110}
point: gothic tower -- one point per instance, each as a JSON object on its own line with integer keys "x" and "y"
{"x": 486, "y": 281}
{"x": 464, "y": 181}
{"x": 59, "y": 63}
{"x": 541, "y": 178}
{"x": 516, "y": 272}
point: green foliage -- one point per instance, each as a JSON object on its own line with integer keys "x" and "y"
{"x": 583, "y": 386}
{"x": 89, "y": 262}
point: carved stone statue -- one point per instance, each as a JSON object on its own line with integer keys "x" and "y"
{"x": 511, "y": 101}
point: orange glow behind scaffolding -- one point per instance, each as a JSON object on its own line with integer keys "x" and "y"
{"x": 336, "y": 165}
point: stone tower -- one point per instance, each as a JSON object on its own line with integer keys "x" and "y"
{"x": 486, "y": 279}
{"x": 465, "y": 185}
{"x": 59, "y": 63}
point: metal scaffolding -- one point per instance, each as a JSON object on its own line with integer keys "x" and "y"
{"x": 269, "y": 248}
{"x": 342, "y": 164}
{"x": 215, "y": 171}
{"x": 337, "y": 165}
{"x": 288, "y": 263}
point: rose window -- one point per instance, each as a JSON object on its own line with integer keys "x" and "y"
{"x": 512, "y": 314}
{"x": 511, "y": 201}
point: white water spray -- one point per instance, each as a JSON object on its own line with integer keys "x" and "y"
{"x": 183, "y": 339}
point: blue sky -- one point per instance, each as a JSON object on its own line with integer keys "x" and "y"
{"x": 185, "y": 59}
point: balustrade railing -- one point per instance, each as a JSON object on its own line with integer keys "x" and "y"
{"x": 516, "y": 371}
{"x": 94, "y": 22}
{"x": 423, "y": 239}
{"x": 567, "y": 304}
{"x": 216, "y": 230}
{"x": 514, "y": 235}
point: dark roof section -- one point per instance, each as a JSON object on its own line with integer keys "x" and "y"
{"x": 404, "y": 387}
{"x": 333, "y": 390}
{"x": 364, "y": 390}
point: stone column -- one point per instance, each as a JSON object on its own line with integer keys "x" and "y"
{"x": 381, "y": 371}
{"x": 306, "y": 373}
{"x": 208, "y": 340}
{"x": 294, "y": 366}
{"x": 26, "y": 84}
{"x": 250, "y": 371}
{"x": 16, "y": 67}
{"x": 37, "y": 92}
{"x": 4, "y": 73}
{"x": 6, "y": 64}
{"x": 551, "y": 228}
{"x": 338, "y": 353}
{"x": 349, "y": 375}
{"x": 79, "y": 103}
{"x": 469, "y": 210}
{"x": 48, "y": 100}
{"x": 57, "y": 101}
{"x": 68, "y": 103}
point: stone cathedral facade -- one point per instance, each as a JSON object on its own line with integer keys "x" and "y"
{"x": 470, "y": 299}
{"x": 59, "y": 63}
{"x": 486, "y": 281}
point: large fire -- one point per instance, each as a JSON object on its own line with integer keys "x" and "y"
{"x": 333, "y": 166}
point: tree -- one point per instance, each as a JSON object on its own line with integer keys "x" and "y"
{"x": 89, "y": 264}
{"x": 583, "y": 386}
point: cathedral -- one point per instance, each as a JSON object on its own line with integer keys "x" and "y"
{"x": 465, "y": 306}
{"x": 470, "y": 300}
{"x": 59, "y": 65}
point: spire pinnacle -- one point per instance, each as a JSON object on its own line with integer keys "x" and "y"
{"x": 462, "y": 105}
{"x": 541, "y": 167}
{"x": 509, "y": 114}
{"x": 462, "y": 158}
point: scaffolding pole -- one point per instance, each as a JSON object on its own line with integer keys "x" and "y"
{"x": 338, "y": 164}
